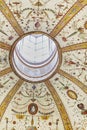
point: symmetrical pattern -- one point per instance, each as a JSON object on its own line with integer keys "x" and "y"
{"x": 59, "y": 103}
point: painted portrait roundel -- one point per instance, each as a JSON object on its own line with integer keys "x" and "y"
{"x": 32, "y": 108}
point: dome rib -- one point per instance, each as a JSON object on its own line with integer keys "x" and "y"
{"x": 5, "y": 71}
{"x": 9, "y": 97}
{"x": 8, "y": 14}
{"x": 68, "y": 16}
{"x": 75, "y": 47}
{"x": 60, "y": 106}
{"x": 74, "y": 80}
{"x": 5, "y": 46}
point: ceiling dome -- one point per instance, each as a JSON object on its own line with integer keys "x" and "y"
{"x": 43, "y": 65}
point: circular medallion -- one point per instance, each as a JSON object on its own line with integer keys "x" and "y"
{"x": 32, "y": 108}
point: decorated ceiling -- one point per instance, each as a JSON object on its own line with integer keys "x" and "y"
{"x": 60, "y": 102}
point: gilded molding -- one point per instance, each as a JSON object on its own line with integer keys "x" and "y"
{"x": 68, "y": 16}
{"x": 73, "y": 79}
{"x": 5, "y": 46}
{"x": 5, "y": 71}
{"x": 10, "y": 17}
{"x": 9, "y": 97}
{"x": 75, "y": 47}
{"x": 60, "y": 106}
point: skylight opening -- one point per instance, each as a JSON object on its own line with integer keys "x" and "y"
{"x": 35, "y": 50}
{"x": 35, "y": 57}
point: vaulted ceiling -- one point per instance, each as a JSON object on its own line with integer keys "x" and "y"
{"x": 60, "y": 103}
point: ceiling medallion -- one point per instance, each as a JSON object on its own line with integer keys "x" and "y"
{"x": 35, "y": 56}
